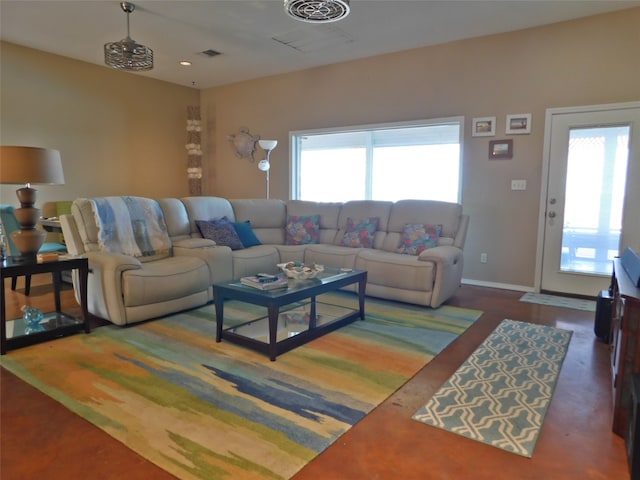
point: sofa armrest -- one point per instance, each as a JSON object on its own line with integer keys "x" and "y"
{"x": 448, "y": 262}
{"x": 114, "y": 263}
{"x": 105, "y": 284}
{"x": 190, "y": 243}
{"x": 72, "y": 237}
{"x": 219, "y": 259}
{"x": 442, "y": 254}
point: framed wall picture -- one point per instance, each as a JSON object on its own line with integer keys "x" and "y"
{"x": 500, "y": 149}
{"x": 518, "y": 124}
{"x": 484, "y": 127}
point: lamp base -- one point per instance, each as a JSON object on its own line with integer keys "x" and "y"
{"x": 28, "y": 239}
{"x": 28, "y": 242}
{"x": 27, "y": 217}
{"x": 27, "y": 196}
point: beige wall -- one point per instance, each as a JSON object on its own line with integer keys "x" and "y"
{"x": 118, "y": 133}
{"x": 584, "y": 62}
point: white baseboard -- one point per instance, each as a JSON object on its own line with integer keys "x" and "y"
{"x": 502, "y": 286}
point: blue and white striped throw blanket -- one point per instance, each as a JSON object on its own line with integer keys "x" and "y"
{"x": 131, "y": 225}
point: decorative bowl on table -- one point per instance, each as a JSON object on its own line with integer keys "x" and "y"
{"x": 299, "y": 271}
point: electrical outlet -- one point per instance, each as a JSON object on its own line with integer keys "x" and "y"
{"x": 483, "y": 258}
{"x": 518, "y": 184}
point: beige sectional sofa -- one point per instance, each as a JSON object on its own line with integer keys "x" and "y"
{"x": 178, "y": 271}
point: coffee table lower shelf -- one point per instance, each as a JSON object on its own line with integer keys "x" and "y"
{"x": 255, "y": 334}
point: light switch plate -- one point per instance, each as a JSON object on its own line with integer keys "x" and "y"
{"x": 518, "y": 184}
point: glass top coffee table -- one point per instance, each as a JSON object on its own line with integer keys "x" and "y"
{"x": 294, "y": 317}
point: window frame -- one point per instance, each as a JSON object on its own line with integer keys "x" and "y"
{"x": 295, "y": 135}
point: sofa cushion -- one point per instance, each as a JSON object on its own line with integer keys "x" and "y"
{"x": 366, "y": 209}
{"x": 449, "y": 215}
{"x": 292, "y": 253}
{"x": 417, "y": 237}
{"x": 176, "y": 218}
{"x": 329, "y": 214}
{"x": 302, "y": 229}
{"x": 164, "y": 280}
{"x": 246, "y": 234}
{"x": 220, "y": 231}
{"x": 267, "y": 216}
{"x": 249, "y": 261}
{"x": 331, "y": 255}
{"x": 396, "y": 271}
{"x": 207, "y": 208}
{"x": 360, "y": 233}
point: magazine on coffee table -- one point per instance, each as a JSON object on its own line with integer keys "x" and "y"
{"x": 265, "y": 283}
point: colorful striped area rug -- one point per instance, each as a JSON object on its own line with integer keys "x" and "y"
{"x": 500, "y": 395}
{"x": 206, "y": 410}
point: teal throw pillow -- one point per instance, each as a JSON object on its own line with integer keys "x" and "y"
{"x": 246, "y": 234}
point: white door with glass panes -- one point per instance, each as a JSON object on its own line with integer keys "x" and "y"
{"x": 590, "y": 210}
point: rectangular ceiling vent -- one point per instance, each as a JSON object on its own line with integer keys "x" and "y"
{"x": 210, "y": 53}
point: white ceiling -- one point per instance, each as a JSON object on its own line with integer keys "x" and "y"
{"x": 244, "y": 31}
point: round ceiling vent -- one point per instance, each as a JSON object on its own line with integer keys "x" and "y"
{"x": 317, "y": 11}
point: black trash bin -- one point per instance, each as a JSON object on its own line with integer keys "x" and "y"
{"x": 604, "y": 306}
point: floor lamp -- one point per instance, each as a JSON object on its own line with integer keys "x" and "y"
{"x": 265, "y": 165}
{"x": 26, "y": 166}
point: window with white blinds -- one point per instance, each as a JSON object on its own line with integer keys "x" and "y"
{"x": 417, "y": 160}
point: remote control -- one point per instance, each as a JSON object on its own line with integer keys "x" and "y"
{"x": 266, "y": 278}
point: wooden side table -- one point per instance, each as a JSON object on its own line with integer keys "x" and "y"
{"x": 625, "y": 345}
{"x": 16, "y": 333}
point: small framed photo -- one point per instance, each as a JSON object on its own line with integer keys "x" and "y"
{"x": 518, "y": 124}
{"x": 500, "y": 149}
{"x": 484, "y": 127}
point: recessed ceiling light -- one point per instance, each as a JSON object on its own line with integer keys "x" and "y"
{"x": 185, "y": 62}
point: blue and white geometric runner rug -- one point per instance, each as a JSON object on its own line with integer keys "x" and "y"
{"x": 501, "y": 393}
